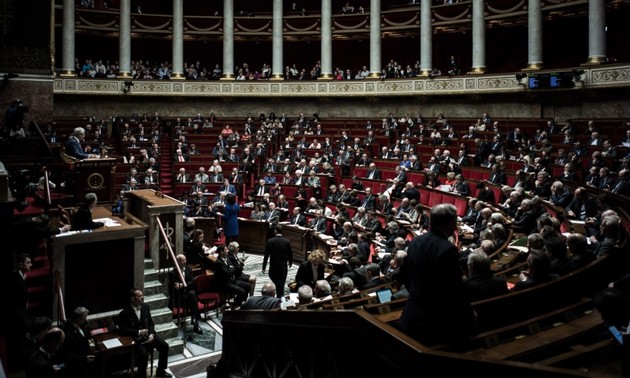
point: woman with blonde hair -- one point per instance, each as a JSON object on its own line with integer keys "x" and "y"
{"x": 312, "y": 269}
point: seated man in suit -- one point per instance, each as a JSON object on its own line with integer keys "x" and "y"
{"x": 298, "y": 218}
{"x": 184, "y": 296}
{"x": 319, "y": 222}
{"x": 82, "y": 219}
{"x": 265, "y": 301}
{"x": 135, "y": 320}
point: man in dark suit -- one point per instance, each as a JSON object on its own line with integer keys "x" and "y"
{"x": 622, "y": 187}
{"x": 436, "y": 310}
{"x": 272, "y": 215}
{"x": 265, "y": 301}
{"x": 373, "y": 277}
{"x": 82, "y": 219}
{"x": 373, "y": 173}
{"x": 280, "y": 256}
{"x": 41, "y": 362}
{"x": 319, "y": 222}
{"x": 260, "y": 189}
{"x": 135, "y": 320}
{"x": 78, "y": 355}
{"x": 73, "y": 146}
{"x": 411, "y": 192}
{"x": 525, "y": 218}
{"x": 369, "y": 201}
{"x": 298, "y": 218}
{"x": 461, "y": 186}
{"x": 497, "y": 176}
{"x": 184, "y": 296}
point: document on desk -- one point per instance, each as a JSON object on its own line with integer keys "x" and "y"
{"x": 112, "y": 343}
{"x": 109, "y": 222}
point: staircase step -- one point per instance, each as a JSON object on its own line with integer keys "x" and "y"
{"x": 150, "y": 274}
{"x": 148, "y": 264}
{"x": 167, "y": 330}
{"x": 156, "y": 302}
{"x": 175, "y": 346}
{"x": 162, "y": 315}
{"x": 153, "y": 287}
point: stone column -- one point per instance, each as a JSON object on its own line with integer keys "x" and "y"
{"x": 534, "y": 36}
{"x": 124, "y": 40}
{"x": 228, "y": 40}
{"x": 478, "y": 38}
{"x": 326, "y": 25}
{"x": 596, "y": 32}
{"x": 426, "y": 39}
{"x": 67, "y": 52}
{"x": 178, "y": 40}
{"x": 375, "y": 39}
{"x": 277, "y": 64}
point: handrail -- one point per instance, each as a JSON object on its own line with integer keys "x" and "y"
{"x": 170, "y": 250}
{"x": 61, "y": 307}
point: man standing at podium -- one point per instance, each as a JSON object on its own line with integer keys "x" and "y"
{"x": 73, "y": 146}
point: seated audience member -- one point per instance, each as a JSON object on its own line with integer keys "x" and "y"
{"x": 481, "y": 282}
{"x": 305, "y": 294}
{"x": 226, "y": 279}
{"x": 373, "y": 277}
{"x": 346, "y": 287}
{"x": 135, "y": 320}
{"x": 78, "y": 355}
{"x": 322, "y": 291}
{"x": 184, "y": 296}
{"x": 30, "y": 342}
{"x": 538, "y": 271}
{"x": 579, "y": 254}
{"x": 265, "y": 301}
{"x": 82, "y": 219}
{"x": 43, "y": 363}
{"x": 311, "y": 270}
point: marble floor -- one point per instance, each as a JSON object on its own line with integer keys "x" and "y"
{"x": 202, "y": 350}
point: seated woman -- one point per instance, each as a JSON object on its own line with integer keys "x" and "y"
{"x": 258, "y": 213}
{"x": 199, "y": 252}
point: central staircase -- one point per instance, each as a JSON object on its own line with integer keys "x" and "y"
{"x": 154, "y": 289}
{"x": 166, "y": 164}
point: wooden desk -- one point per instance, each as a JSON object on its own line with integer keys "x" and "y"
{"x": 144, "y": 204}
{"x": 87, "y": 262}
{"x": 252, "y": 235}
{"x": 104, "y": 353}
{"x": 299, "y": 238}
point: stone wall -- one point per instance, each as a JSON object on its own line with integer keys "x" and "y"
{"x": 611, "y": 103}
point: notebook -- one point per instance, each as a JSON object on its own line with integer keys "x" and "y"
{"x": 384, "y": 295}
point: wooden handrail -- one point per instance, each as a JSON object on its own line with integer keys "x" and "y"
{"x": 170, "y": 250}
{"x": 61, "y": 307}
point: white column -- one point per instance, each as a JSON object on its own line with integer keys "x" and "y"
{"x": 124, "y": 39}
{"x": 534, "y": 35}
{"x": 228, "y": 39}
{"x": 178, "y": 40}
{"x": 478, "y": 38}
{"x": 67, "y": 53}
{"x": 596, "y": 31}
{"x": 277, "y": 64}
{"x": 426, "y": 39}
{"x": 326, "y": 53}
{"x": 375, "y": 38}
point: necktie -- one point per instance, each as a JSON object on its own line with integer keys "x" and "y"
{"x": 261, "y": 191}
{"x": 181, "y": 158}
{"x": 296, "y": 220}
